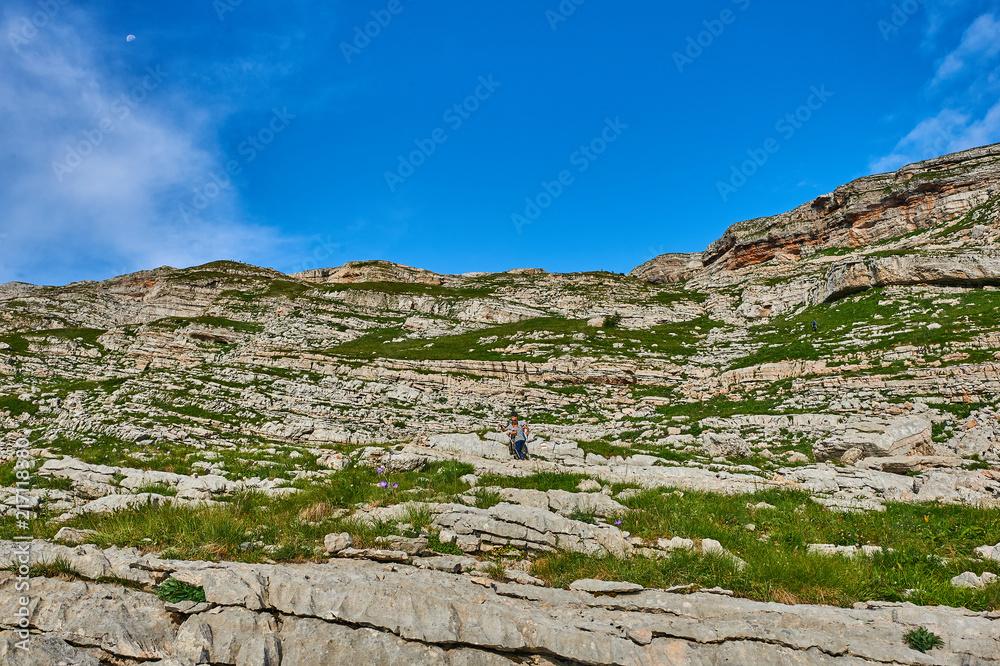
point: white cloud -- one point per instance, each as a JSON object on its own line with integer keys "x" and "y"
{"x": 967, "y": 119}
{"x": 981, "y": 40}
{"x": 948, "y": 132}
{"x": 142, "y": 149}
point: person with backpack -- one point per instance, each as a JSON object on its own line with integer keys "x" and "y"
{"x": 518, "y": 432}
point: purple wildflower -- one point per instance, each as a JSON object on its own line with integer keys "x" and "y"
{"x": 383, "y": 484}
{"x": 618, "y": 522}
{"x": 395, "y": 485}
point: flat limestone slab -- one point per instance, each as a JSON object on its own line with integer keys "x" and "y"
{"x": 604, "y": 587}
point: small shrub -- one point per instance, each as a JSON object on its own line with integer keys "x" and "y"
{"x": 58, "y": 568}
{"x": 156, "y": 489}
{"x": 435, "y": 544}
{"x": 507, "y": 552}
{"x": 613, "y": 321}
{"x": 496, "y": 571}
{"x": 53, "y": 483}
{"x": 583, "y": 516}
{"x": 174, "y": 591}
{"x": 922, "y": 640}
{"x": 418, "y": 516}
{"x": 486, "y": 499}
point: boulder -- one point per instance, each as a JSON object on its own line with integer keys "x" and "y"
{"x": 989, "y": 552}
{"x": 71, "y": 535}
{"x": 874, "y": 438}
{"x": 334, "y": 543}
{"x": 852, "y": 456}
{"x": 410, "y": 546}
{"x": 469, "y": 444}
{"x": 726, "y": 445}
{"x": 971, "y": 581}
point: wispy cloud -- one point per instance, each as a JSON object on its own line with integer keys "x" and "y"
{"x": 95, "y": 162}
{"x": 969, "y": 114}
{"x": 980, "y": 41}
{"x": 948, "y": 132}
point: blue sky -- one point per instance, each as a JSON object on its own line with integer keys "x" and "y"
{"x": 482, "y": 136}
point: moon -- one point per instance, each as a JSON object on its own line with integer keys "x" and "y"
{"x": 130, "y": 38}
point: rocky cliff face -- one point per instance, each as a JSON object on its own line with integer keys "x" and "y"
{"x": 336, "y": 429}
{"x": 867, "y": 211}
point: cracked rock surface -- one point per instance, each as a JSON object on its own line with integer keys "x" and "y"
{"x": 297, "y": 615}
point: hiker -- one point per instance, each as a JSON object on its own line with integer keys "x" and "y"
{"x": 510, "y": 440}
{"x": 815, "y": 327}
{"x": 518, "y": 432}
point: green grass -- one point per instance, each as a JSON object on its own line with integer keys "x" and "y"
{"x": 612, "y": 321}
{"x": 177, "y": 323}
{"x": 780, "y": 569}
{"x": 173, "y": 591}
{"x": 673, "y": 297}
{"x": 485, "y": 499}
{"x": 7, "y": 474}
{"x": 166, "y": 457}
{"x": 406, "y": 289}
{"x": 188, "y": 409}
{"x": 792, "y": 338}
{"x": 296, "y": 523}
{"x": 58, "y": 568}
{"x": 51, "y": 483}
{"x": 156, "y": 489}
{"x": 434, "y": 543}
{"x": 606, "y": 449}
{"x": 69, "y": 386}
{"x": 544, "y": 481}
{"x": 18, "y": 345}
{"x": 721, "y": 407}
{"x": 16, "y": 406}
{"x": 555, "y": 333}
{"x": 287, "y": 289}
{"x": 87, "y": 335}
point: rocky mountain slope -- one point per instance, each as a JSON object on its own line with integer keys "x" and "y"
{"x": 341, "y": 424}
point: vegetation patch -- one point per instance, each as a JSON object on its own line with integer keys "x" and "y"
{"x": 929, "y": 546}
{"x": 922, "y": 640}
{"x": 174, "y": 591}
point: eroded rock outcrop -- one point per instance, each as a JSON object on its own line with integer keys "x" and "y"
{"x": 866, "y": 211}
{"x": 393, "y": 614}
{"x": 854, "y": 275}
